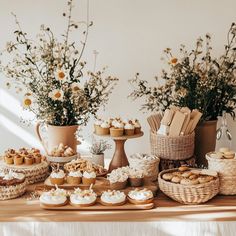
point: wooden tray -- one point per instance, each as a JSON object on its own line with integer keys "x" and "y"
{"x": 99, "y": 207}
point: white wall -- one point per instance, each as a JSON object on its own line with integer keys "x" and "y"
{"x": 129, "y": 35}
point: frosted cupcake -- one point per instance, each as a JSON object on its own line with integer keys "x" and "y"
{"x": 129, "y": 129}
{"x": 118, "y": 179}
{"x": 57, "y": 177}
{"x": 74, "y": 177}
{"x": 137, "y": 126}
{"x": 103, "y": 129}
{"x": 89, "y": 178}
{"x": 113, "y": 198}
{"x": 9, "y": 159}
{"x": 117, "y": 129}
{"x": 140, "y": 196}
{"x": 29, "y": 160}
{"x": 136, "y": 177}
{"x": 97, "y": 124}
{"x": 83, "y": 198}
{"x": 18, "y": 159}
{"x": 54, "y": 197}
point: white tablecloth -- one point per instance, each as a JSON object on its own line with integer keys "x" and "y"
{"x": 118, "y": 228}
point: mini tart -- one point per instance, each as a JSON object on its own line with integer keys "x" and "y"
{"x": 113, "y": 198}
{"x": 29, "y": 160}
{"x": 9, "y": 160}
{"x": 102, "y": 131}
{"x": 83, "y": 198}
{"x": 37, "y": 158}
{"x": 18, "y": 160}
{"x": 74, "y": 177}
{"x": 140, "y": 196}
{"x": 116, "y": 132}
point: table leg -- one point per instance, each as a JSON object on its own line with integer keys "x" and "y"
{"x": 119, "y": 158}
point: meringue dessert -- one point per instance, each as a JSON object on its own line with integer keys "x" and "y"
{"x": 140, "y": 196}
{"x": 117, "y": 129}
{"x": 89, "y": 177}
{"x": 57, "y": 177}
{"x": 83, "y": 198}
{"x": 118, "y": 178}
{"x": 129, "y": 128}
{"x": 74, "y": 177}
{"x": 113, "y": 198}
{"x": 54, "y": 197}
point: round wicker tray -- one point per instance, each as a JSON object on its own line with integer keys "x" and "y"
{"x": 188, "y": 194}
{"x": 33, "y": 173}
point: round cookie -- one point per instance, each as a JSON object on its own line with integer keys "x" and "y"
{"x": 167, "y": 176}
{"x": 193, "y": 176}
{"x": 183, "y": 168}
{"x": 176, "y": 179}
{"x": 189, "y": 182}
{"x": 186, "y": 174}
{"x": 229, "y": 155}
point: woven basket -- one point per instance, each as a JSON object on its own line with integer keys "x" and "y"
{"x": 12, "y": 191}
{"x": 172, "y": 148}
{"x": 188, "y": 194}
{"x": 227, "y": 173}
{"x": 34, "y": 173}
{"x": 149, "y": 166}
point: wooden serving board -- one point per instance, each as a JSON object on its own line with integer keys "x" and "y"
{"x": 101, "y": 185}
{"x": 100, "y": 207}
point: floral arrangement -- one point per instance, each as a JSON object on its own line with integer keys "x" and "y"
{"x": 196, "y": 80}
{"x": 99, "y": 146}
{"x": 51, "y": 74}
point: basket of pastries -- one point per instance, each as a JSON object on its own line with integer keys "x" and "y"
{"x": 189, "y": 185}
{"x": 224, "y": 162}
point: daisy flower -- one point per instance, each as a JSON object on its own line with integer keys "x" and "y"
{"x": 61, "y": 75}
{"x": 56, "y": 95}
{"x": 75, "y": 87}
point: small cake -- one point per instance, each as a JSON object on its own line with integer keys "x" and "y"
{"x": 89, "y": 177}
{"x": 103, "y": 129}
{"x": 74, "y": 177}
{"x": 83, "y": 198}
{"x": 97, "y": 124}
{"x": 117, "y": 129}
{"x": 57, "y": 177}
{"x": 55, "y": 198}
{"x": 140, "y": 196}
{"x": 18, "y": 159}
{"x": 37, "y": 158}
{"x": 29, "y": 159}
{"x": 113, "y": 198}
{"x": 9, "y": 159}
{"x": 118, "y": 178}
{"x": 137, "y": 126}
{"x": 229, "y": 155}
{"x": 136, "y": 177}
{"x": 129, "y": 128}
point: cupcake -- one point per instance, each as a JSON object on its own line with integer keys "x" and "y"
{"x": 9, "y": 159}
{"x": 113, "y": 198}
{"x": 104, "y": 128}
{"x": 74, "y": 177}
{"x": 89, "y": 178}
{"x": 118, "y": 178}
{"x": 129, "y": 129}
{"x": 29, "y": 160}
{"x": 140, "y": 196}
{"x": 136, "y": 177}
{"x": 97, "y": 125}
{"x": 37, "y": 158}
{"x": 18, "y": 159}
{"x": 83, "y": 198}
{"x": 117, "y": 129}
{"x": 57, "y": 177}
{"x": 55, "y": 197}
{"x": 137, "y": 126}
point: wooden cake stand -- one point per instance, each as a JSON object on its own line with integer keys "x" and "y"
{"x": 119, "y": 157}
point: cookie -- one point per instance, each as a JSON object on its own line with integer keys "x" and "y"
{"x": 176, "y": 179}
{"x": 167, "y": 176}
{"x": 188, "y": 182}
{"x": 229, "y": 155}
{"x": 186, "y": 174}
{"x": 183, "y": 168}
{"x": 193, "y": 176}
{"x": 177, "y": 173}
{"x": 202, "y": 180}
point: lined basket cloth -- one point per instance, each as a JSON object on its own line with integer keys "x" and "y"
{"x": 226, "y": 169}
{"x": 172, "y": 148}
{"x": 188, "y": 194}
{"x": 12, "y": 191}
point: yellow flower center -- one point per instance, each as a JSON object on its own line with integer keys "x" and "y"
{"x": 61, "y": 75}
{"x": 174, "y": 60}
{"x": 76, "y": 88}
{"x": 57, "y": 95}
{"x": 27, "y": 102}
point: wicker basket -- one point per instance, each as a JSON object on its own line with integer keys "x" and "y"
{"x": 33, "y": 173}
{"x": 12, "y": 191}
{"x": 172, "y": 148}
{"x": 188, "y": 194}
{"x": 226, "y": 169}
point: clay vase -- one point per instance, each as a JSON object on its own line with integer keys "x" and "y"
{"x": 58, "y": 134}
{"x": 205, "y": 141}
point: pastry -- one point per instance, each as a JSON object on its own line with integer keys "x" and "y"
{"x": 118, "y": 178}
{"x": 83, "y": 198}
{"x": 9, "y": 159}
{"x": 183, "y": 168}
{"x": 229, "y": 155}
{"x": 18, "y": 159}
{"x": 62, "y": 151}
{"x": 29, "y": 160}
{"x": 186, "y": 174}
{"x": 57, "y": 177}
{"x": 113, "y": 198}
{"x": 89, "y": 178}
{"x": 176, "y": 179}
{"x": 54, "y": 198}
{"x": 74, "y": 177}
{"x": 167, "y": 176}
{"x": 189, "y": 181}
{"x": 137, "y": 126}
{"x": 97, "y": 124}
{"x": 129, "y": 129}
{"x": 140, "y": 196}
{"x": 117, "y": 129}
{"x": 103, "y": 129}
{"x": 136, "y": 177}
{"x": 37, "y": 158}
{"x": 8, "y": 178}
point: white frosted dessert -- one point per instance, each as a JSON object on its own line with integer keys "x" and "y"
{"x": 75, "y": 173}
{"x": 113, "y": 197}
{"x": 98, "y": 122}
{"x": 129, "y": 126}
{"x": 13, "y": 175}
{"x": 140, "y": 195}
{"x": 118, "y": 125}
{"x": 89, "y": 175}
{"x": 118, "y": 175}
{"x": 85, "y": 197}
{"x": 105, "y": 125}
{"x": 54, "y": 197}
{"x": 136, "y": 123}
{"x": 58, "y": 174}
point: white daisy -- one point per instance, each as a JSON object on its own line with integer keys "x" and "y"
{"x": 75, "y": 87}
{"x": 56, "y": 95}
{"x": 61, "y": 75}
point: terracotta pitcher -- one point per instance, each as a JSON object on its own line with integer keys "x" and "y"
{"x": 58, "y": 134}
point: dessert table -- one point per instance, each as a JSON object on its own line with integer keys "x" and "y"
{"x": 167, "y": 218}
